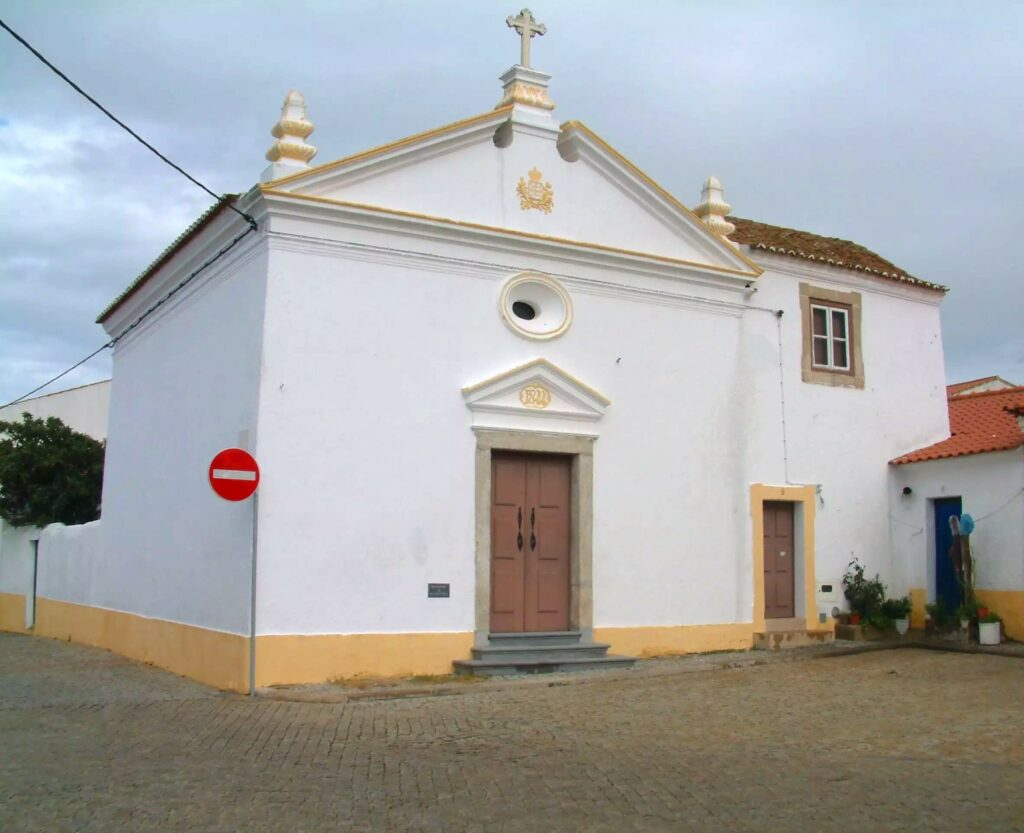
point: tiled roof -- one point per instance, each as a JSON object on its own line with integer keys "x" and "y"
{"x": 201, "y": 222}
{"x": 979, "y": 422}
{"x": 830, "y": 250}
{"x": 963, "y": 387}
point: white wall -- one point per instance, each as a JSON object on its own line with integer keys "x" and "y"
{"x": 841, "y": 439}
{"x": 369, "y": 495}
{"x": 16, "y": 560}
{"x": 987, "y": 483}
{"x": 71, "y": 560}
{"x": 85, "y": 409}
{"x": 185, "y": 386}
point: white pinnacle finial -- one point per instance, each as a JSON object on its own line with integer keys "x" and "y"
{"x": 713, "y": 208}
{"x": 527, "y": 27}
{"x": 290, "y": 153}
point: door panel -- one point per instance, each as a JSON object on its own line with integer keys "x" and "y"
{"x": 778, "y": 560}
{"x": 946, "y": 586}
{"x": 530, "y": 586}
{"x": 508, "y": 489}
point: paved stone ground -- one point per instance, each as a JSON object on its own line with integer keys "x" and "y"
{"x": 904, "y": 740}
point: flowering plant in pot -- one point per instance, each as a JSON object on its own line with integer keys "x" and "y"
{"x": 864, "y": 594}
{"x": 989, "y": 628}
{"x": 898, "y": 612}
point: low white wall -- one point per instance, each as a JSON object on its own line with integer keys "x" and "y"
{"x": 69, "y": 561}
{"x": 16, "y": 558}
{"x": 990, "y": 487}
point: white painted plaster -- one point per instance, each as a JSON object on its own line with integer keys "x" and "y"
{"x": 185, "y": 386}
{"x": 990, "y": 486}
{"x": 85, "y": 409}
{"x": 353, "y": 369}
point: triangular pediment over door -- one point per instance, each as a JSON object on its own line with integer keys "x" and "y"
{"x": 537, "y": 396}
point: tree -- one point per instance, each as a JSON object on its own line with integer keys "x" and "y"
{"x": 48, "y": 473}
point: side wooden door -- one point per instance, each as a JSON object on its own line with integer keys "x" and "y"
{"x": 778, "y": 560}
{"x": 530, "y": 542}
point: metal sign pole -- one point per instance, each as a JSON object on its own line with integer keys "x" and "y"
{"x": 252, "y": 600}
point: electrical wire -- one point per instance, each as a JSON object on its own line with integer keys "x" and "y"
{"x": 121, "y": 124}
{"x": 220, "y": 198}
{"x": 1016, "y": 495}
{"x": 78, "y": 364}
{"x": 163, "y": 300}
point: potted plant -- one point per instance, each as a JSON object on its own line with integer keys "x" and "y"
{"x": 967, "y": 613}
{"x": 865, "y": 595}
{"x": 936, "y": 617}
{"x": 989, "y": 628}
{"x": 898, "y": 611}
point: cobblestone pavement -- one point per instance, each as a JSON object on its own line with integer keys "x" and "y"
{"x": 896, "y": 740}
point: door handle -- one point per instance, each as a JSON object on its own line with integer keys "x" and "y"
{"x": 519, "y": 521}
{"x": 533, "y": 536}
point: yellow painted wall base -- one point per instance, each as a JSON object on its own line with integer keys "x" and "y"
{"x": 918, "y": 599}
{"x": 1009, "y": 604}
{"x": 295, "y": 659}
{"x": 212, "y": 657}
{"x": 677, "y": 639}
{"x": 12, "y": 612}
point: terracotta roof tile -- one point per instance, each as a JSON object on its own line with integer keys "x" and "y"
{"x": 965, "y": 387}
{"x": 200, "y": 223}
{"x": 979, "y": 422}
{"x": 830, "y": 250}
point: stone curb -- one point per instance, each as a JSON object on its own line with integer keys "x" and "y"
{"x": 746, "y": 659}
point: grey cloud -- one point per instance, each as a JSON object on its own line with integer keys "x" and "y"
{"x": 893, "y": 124}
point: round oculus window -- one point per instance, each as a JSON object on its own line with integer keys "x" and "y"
{"x": 536, "y": 306}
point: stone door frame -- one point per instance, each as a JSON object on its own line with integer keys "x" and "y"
{"x": 581, "y": 450}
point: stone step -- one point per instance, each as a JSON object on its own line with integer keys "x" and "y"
{"x": 784, "y": 640}
{"x": 535, "y": 639}
{"x": 540, "y": 653}
{"x": 493, "y": 668}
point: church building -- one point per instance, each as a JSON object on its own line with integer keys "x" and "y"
{"x": 515, "y": 406}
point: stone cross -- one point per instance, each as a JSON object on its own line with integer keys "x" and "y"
{"x": 527, "y": 27}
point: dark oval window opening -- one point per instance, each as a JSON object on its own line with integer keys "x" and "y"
{"x": 521, "y": 309}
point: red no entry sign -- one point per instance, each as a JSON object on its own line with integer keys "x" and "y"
{"x": 234, "y": 474}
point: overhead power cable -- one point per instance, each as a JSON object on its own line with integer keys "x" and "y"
{"x": 224, "y": 200}
{"x": 248, "y": 218}
{"x": 163, "y": 300}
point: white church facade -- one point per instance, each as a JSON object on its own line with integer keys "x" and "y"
{"x": 498, "y": 382}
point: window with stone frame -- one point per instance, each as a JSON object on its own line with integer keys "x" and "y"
{"x": 831, "y": 334}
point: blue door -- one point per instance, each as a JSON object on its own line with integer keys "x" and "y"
{"x": 946, "y": 587}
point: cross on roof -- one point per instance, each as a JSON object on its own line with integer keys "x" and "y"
{"x": 527, "y": 27}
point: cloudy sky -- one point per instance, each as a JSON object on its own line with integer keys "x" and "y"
{"x": 894, "y": 124}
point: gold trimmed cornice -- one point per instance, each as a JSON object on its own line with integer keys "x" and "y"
{"x": 597, "y": 395}
{"x": 664, "y": 194}
{"x": 382, "y": 149}
{"x": 528, "y": 235}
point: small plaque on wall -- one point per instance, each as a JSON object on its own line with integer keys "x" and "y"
{"x": 438, "y": 591}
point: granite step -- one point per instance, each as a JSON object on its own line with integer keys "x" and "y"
{"x": 533, "y": 653}
{"x": 535, "y": 639}
{"x": 542, "y": 665}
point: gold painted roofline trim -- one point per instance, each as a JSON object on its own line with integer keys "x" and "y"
{"x": 528, "y": 235}
{"x": 664, "y": 193}
{"x": 381, "y": 149}
{"x": 600, "y": 397}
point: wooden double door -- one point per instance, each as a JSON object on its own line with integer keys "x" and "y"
{"x": 779, "y": 540}
{"x": 531, "y": 538}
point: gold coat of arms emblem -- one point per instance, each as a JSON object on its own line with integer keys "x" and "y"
{"x": 534, "y": 193}
{"x": 535, "y": 396}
